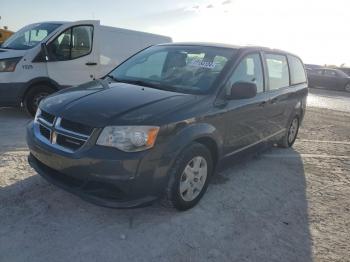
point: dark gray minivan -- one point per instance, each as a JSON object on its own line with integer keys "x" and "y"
{"x": 158, "y": 124}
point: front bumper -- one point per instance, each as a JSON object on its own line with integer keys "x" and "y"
{"x": 104, "y": 176}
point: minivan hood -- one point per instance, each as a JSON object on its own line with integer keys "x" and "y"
{"x": 10, "y": 53}
{"x": 100, "y": 103}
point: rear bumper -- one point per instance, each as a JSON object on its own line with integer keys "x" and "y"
{"x": 104, "y": 176}
{"x": 11, "y": 93}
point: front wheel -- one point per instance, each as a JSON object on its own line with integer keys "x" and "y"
{"x": 34, "y": 96}
{"x": 291, "y": 133}
{"x": 189, "y": 177}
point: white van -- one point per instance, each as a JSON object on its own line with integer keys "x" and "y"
{"x": 44, "y": 57}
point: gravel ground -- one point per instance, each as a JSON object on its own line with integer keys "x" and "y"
{"x": 280, "y": 205}
{"x": 330, "y": 99}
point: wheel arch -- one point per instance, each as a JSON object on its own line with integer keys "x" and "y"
{"x": 39, "y": 81}
{"x": 202, "y": 133}
{"x": 211, "y": 144}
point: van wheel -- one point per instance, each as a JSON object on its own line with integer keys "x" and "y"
{"x": 347, "y": 87}
{"x": 34, "y": 96}
{"x": 189, "y": 177}
{"x": 291, "y": 134}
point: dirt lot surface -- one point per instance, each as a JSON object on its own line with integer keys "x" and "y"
{"x": 281, "y": 205}
{"x": 330, "y": 99}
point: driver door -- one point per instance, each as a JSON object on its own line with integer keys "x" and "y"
{"x": 246, "y": 122}
{"x": 72, "y": 55}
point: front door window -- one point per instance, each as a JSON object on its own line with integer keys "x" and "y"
{"x": 73, "y": 43}
{"x": 248, "y": 70}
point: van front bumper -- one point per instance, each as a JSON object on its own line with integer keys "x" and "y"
{"x": 103, "y": 176}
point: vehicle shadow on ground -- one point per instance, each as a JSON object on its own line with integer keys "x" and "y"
{"x": 254, "y": 210}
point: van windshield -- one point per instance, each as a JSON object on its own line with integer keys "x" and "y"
{"x": 178, "y": 68}
{"x": 29, "y": 36}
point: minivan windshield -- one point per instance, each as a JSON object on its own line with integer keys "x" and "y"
{"x": 29, "y": 36}
{"x": 178, "y": 68}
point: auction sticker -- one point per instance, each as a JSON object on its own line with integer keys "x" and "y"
{"x": 203, "y": 64}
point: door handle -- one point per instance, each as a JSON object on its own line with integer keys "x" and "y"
{"x": 91, "y": 64}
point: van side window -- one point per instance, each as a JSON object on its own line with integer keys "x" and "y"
{"x": 297, "y": 72}
{"x": 81, "y": 41}
{"x": 277, "y": 67}
{"x": 73, "y": 43}
{"x": 248, "y": 70}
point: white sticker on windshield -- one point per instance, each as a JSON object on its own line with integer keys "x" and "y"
{"x": 203, "y": 64}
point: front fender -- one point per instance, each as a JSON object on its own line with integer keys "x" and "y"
{"x": 192, "y": 132}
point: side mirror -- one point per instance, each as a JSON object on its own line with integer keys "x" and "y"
{"x": 45, "y": 52}
{"x": 243, "y": 90}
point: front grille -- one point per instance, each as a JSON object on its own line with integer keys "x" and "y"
{"x": 47, "y": 117}
{"x": 45, "y": 132}
{"x": 64, "y": 134}
{"x": 69, "y": 142}
{"x": 76, "y": 127}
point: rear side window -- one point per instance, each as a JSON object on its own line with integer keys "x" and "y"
{"x": 278, "y": 72}
{"x": 297, "y": 72}
{"x": 330, "y": 73}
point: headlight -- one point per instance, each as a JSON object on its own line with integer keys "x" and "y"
{"x": 128, "y": 138}
{"x": 9, "y": 65}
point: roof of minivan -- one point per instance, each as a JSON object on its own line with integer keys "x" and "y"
{"x": 248, "y": 47}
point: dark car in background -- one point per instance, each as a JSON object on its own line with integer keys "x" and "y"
{"x": 329, "y": 78}
{"x": 346, "y": 70}
{"x": 158, "y": 125}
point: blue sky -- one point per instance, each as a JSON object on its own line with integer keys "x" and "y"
{"x": 317, "y": 30}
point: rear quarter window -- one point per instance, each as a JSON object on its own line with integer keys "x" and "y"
{"x": 278, "y": 72}
{"x": 297, "y": 72}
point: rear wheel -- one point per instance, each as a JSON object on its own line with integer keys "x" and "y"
{"x": 34, "y": 96}
{"x": 347, "y": 87}
{"x": 189, "y": 177}
{"x": 291, "y": 134}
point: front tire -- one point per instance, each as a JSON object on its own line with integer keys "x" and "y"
{"x": 291, "y": 133}
{"x": 34, "y": 96}
{"x": 189, "y": 177}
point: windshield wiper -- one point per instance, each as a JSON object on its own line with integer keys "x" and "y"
{"x": 135, "y": 82}
{"x": 159, "y": 86}
{"x": 113, "y": 78}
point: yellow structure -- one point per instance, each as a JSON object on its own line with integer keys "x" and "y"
{"x": 4, "y": 34}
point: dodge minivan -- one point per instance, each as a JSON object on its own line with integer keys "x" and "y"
{"x": 157, "y": 126}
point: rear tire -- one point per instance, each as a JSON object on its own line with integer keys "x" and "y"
{"x": 189, "y": 177}
{"x": 34, "y": 96}
{"x": 291, "y": 133}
